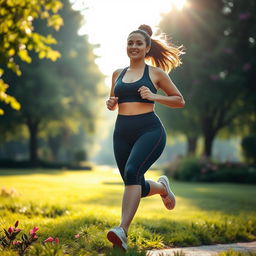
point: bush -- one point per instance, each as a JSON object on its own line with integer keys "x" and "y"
{"x": 80, "y": 155}
{"x": 199, "y": 169}
{"x": 13, "y": 164}
{"x": 249, "y": 148}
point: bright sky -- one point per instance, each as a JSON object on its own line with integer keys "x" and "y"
{"x": 108, "y": 23}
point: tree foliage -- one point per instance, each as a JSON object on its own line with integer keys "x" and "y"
{"x": 217, "y": 77}
{"x": 61, "y": 97}
{"x": 18, "y": 36}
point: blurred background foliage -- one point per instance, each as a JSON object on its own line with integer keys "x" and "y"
{"x": 59, "y": 100}
{"x": 62, "y": 92}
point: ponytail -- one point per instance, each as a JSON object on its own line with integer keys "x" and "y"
{"x": 162, "y": 53}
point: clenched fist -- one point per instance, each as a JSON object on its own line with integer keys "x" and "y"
{"x": 111, "y": 103}
{"x": 145, "y": 93}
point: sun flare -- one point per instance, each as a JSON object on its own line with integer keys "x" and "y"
{"x": 109, "y": 22}
{"x": 179, "y": 4}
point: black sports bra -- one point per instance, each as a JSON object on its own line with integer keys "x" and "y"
{"x": 128, "y": 92}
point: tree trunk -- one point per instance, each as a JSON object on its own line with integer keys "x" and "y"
{"x": 208, "y": 142}
{"x": 33, "y": 146}
{"x": 191, "y": 145}
{"x": 54, "y": 143}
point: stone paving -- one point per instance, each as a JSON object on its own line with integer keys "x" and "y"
{"x": 205, "y": 250}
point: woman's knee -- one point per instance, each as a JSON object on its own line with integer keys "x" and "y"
{"x": 131, "y": 176}
{"x": 145, "y": 189}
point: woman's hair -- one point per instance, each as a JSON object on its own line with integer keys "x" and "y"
{"x": 162, "y": 53}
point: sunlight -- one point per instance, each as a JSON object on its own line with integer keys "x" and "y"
{"x": 179, "y": 4}
{"x": 109, "y": 22}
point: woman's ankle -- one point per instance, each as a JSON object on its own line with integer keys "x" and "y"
{"x": 125, "y": 230}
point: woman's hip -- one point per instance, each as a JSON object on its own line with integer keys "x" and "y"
{"x": 130, "y": 124}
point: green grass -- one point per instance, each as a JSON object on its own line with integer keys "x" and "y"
{"x": 235, "y": 253}
{"x": 63, "y": 203}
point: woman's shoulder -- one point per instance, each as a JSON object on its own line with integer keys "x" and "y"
{"x": 117, "y": 72}
{"x": 156, "y": 71}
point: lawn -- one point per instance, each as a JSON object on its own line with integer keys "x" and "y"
{"x": 65, "y": 203}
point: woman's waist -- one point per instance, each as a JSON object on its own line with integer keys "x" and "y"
{"x": 137, "y": 122}
{"x": 134, "y": 108}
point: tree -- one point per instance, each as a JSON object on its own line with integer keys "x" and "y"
{"x": 17, "y": 36}
{"x": 62, "y": 92}
{"x": 216, "y": 77}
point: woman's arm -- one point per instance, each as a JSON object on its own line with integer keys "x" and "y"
{"x": 112, "y": 100}
{"x": 172, "y": 98}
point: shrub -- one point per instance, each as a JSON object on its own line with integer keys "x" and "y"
{"x": 249, "y": 148}
{"x": 12, "y": 241}
{"x": 30, "y": 209}
{"x": 80, "y": 155}
{"x": 202, "y": 169}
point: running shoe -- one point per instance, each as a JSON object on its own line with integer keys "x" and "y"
{"x": 168, "y": 200}
{"x": 117, "y": 237}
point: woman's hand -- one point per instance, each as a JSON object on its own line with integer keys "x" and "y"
{"x": 111, "y": 103}
{"x": 145, "y": 93}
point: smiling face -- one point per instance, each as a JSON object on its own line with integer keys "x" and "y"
{"x": 136, "y": 46}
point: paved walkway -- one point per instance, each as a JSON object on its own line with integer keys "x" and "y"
{"x": 205, "y": 250}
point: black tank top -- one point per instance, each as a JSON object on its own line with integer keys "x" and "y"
{"x": 128, "y": 92}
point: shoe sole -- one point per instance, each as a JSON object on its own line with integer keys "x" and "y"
{"x": 116, "y": 241}
{"x": 164, "y": 180}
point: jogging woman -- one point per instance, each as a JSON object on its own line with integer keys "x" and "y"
{"x": 139, "y": 136}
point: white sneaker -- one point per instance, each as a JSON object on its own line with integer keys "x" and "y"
{"x": 117, "y": 237}
{"x": 168, "y": 200}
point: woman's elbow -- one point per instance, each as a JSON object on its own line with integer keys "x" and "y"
{"x": 182, "y": 102}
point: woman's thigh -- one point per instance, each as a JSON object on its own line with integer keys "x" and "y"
{"x": 122, "y": 151}
{"x": 145, "y": 151}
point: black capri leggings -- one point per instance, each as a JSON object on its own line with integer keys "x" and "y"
{"x": 139, "y": 140}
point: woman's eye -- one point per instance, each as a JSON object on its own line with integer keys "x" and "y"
{"x": 135, "y": 44}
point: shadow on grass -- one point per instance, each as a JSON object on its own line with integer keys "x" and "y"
{"x": 221, "y": 197}
{"x": 110, "y": 199}
{"x": 112, "y": 183}
{"x": 27, "y": 171}
{"x": 231, "y": 199}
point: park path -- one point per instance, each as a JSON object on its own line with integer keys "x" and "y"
{"x": 205, "y": 250}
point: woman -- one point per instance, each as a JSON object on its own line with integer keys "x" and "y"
{"x": 139, "y": 136}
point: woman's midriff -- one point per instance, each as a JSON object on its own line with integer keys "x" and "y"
{"x": 135, "y": 108}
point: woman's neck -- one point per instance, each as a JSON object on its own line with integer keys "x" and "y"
{"x": 137, "y": 64}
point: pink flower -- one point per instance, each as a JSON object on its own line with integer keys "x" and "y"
{"x": 33, "y": 235}
{"x": 195, "y": 82}
{"x": 77, "y": 235}
{"x": 49, "y": 239}
{"x": 203, "y": 170}
{"x": 228, "y": 50}
{"x": 244, "y": 16}
{"x": 56, "y": 240}
{"x": 32, "y": 231}
{"x": 17, "y": 230}
{"x": 247, "y": 66}
{"x": 10, "y": 229}
{"x": 214, "y": 77}
{"x": 16, "y": 242}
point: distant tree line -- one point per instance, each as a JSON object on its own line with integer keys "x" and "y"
{"x": 59, "y": 100}
{"x": 218, "y": 75}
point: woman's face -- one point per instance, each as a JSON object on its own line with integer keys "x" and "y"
{"x": 136, "y": 46}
